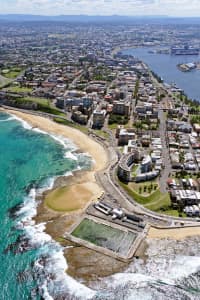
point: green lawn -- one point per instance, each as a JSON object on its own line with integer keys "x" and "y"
{"x": 134, "y": 170}
{"x": 151, "y": 186}
{"x": 11, "y": 73}
{"x": 161, "y": 201}
{"x": 38, "y": 100}
{"x": 172, "y": 212}
{"x": 156, "y": 201}
{"x": 101, "y": 133}
{"x": 44, "y": 105}
{"x": 3, "y": 81}
{"x": 140, "y": 198}
{"x": 18, "y": 89}
{"x": 71, "y": 124}
{"x": 113, "y": 126}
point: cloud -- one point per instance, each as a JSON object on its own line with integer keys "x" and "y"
{"x": 103, "y": 7}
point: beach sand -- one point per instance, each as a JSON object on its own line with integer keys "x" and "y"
{"x": 82, "y": 189}
{"x": 83, "y": 263}
{"x": 81, "y": 140}
{"x": 174, "y": 233}
{"x": 58, "y": 199}
{"x": 74, "y": 194}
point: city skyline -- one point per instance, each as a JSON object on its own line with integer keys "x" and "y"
{"x": 176, "y": 8}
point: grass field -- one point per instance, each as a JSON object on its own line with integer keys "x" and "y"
{"x": 134, "y": 170}
{"x": 18, "y": 89}
{"x": 38, "y": 100}
{"x": 113, "y": 126}
{"x": 172, "y": 212}
{"x": 156, "y": 201}
{"x": 3, "y": 81}
{"x": 71, "y": 124}
{"x": 11, "y": 73}
{"x": 144, "y": 188}
{"x": 101, "y": 133}
{"x": 44, "y": 105}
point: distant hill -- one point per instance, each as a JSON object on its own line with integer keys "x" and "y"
{"x": 99, "y": 19}
{"x": 73, "y": 18}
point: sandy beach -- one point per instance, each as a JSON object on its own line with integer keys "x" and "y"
{"x": 81, "y": 140}
{"x": 79, "y": 190}
{"x": 86, "y": 185}
{"x": 62, "y": 207}
{"x": 174, "y": 233}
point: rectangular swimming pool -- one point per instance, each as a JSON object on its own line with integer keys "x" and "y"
{"x": 105, "y": 236}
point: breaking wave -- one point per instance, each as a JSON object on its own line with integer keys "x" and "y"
{"x": 50, "y": 267}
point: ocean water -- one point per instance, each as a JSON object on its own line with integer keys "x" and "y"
{"x": 165, "y": 66}
{"x": 32, "y": 265}
{"x": 171, "y": 270}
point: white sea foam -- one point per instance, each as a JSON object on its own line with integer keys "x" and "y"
{"x": 167, "y": 270}
{"x": 24, "y": 123}
{"x": 56, "y": 264}
{"x": 68, "y": 173}
{"x": 48, "y": 185}
{"x": 168, "y": 267}
{"x": 8, "y": 119}
{"x": 160, "y": 268}
{"x": 44, "y": 292}
{"x": 127, "y": 277}
{"x": 66, "y": 143}
{"x": 71, "y": 156}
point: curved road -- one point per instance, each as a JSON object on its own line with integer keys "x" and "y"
{"x": 107, "y": 179}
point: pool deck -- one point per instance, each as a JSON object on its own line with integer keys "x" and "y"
{"x": 140, "y": 237}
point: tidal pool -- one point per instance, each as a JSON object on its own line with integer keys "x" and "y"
{"x": 105, "y": 236}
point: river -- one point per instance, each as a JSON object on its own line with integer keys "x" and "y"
{"x": 165, "y": 65}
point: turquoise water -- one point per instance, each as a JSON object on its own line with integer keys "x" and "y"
{"x": 32, "y": 265}
{"x": 28, "y": 162}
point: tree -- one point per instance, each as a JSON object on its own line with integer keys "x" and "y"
{"x": 181, "y": 157}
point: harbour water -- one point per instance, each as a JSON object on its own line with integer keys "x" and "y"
{"x": 165, "y": 66}
{"x": 32, "y": 264}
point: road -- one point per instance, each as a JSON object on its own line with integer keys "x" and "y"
{"x": 165, "y": 153}
{"x": 107, "y": 179}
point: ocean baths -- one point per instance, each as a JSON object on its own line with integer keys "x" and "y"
{"x": 105, "y": 237}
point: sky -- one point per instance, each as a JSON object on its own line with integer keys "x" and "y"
{"x": 180, "y": 8}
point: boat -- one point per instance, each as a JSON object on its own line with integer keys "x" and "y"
{"x": 184, "y": 50}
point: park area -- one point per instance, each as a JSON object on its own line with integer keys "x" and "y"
{"x": 149, "y": 195}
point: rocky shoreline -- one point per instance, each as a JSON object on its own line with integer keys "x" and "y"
{"x": 84, "y": 264}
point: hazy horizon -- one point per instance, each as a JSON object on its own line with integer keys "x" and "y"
{"x": 136, "y": 8}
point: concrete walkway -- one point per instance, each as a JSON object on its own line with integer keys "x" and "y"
{"x": 165, "y": 153}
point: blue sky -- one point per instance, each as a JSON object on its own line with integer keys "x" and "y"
{"x": 102, "y": 7}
